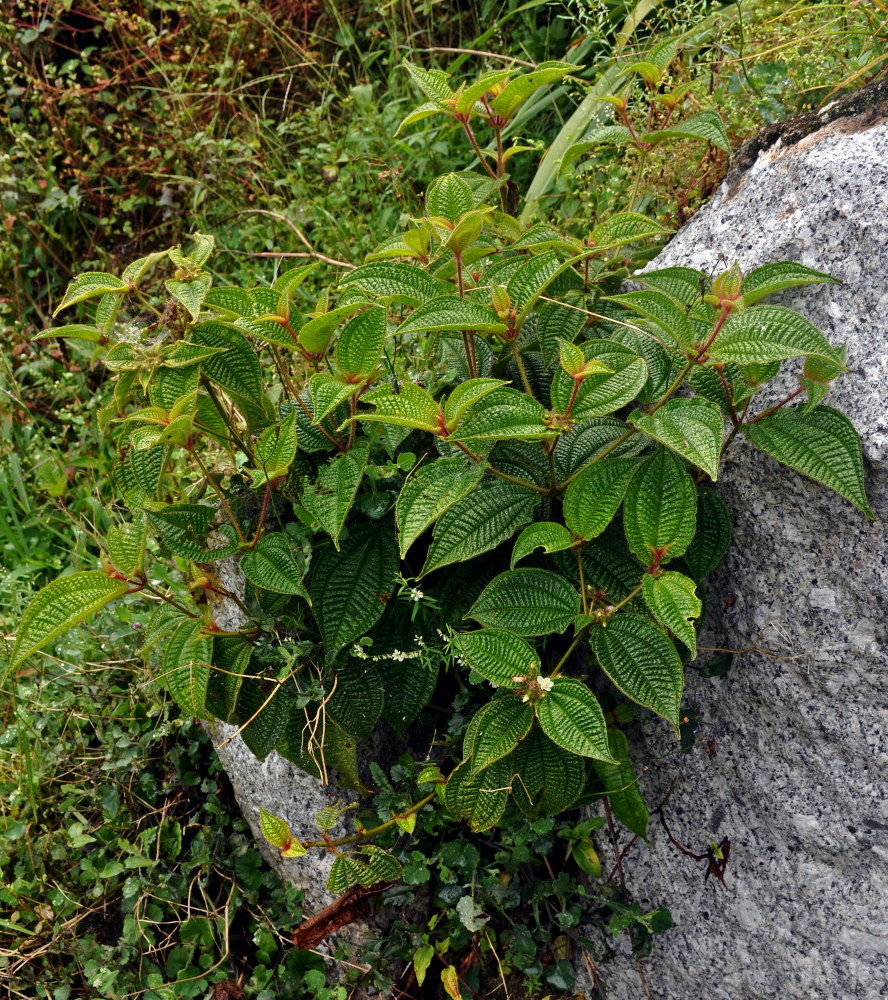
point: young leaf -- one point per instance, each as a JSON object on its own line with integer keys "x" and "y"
{"x": 450, "y": 312}
{"x": 782, "y": 274}
{"x": 769, "y": 333}
{"x": 277, "y": 833}
{"x": 533, "y": 277}
{"x": 286, "y": 285}
{"x": 594, "y": 496}
{"x": 527, "y": 601}
{"x": 621, "y": 786}
{"x": 126, "y": 545}
{"x": 660, "y": 510}
{"x": 316, "y": 334}
{"x": 601, "y": 394}
{"x": 498, "y": 656}
{"x": 429, "y": 492}
{"x": 705, "y": 125}
{"x": 330, "y": 498}
{"x": 275, "y": 451}
{"x": 546, "y": 535}
{"x": 479, "y": 798}
{"x": 449, "y": 197}
{"x": 186, "y": 666}
{"x": 88, "y": 286}
{"x": 673, "y": 599}
{"x": 360, "y": 344}
{"x": 350, "y": 588}
{"x": 467, "y": 97}
{"x": 411, "y": 407}
{"x": 490, "y": 514}
{"x": 272, "y": 566}
{"x": 571, "y": 717}
{"x": 399, "y": 282}
{"x": 693, "y": 428}
{"x": 642, "y": 663}
{"x": 516, "y": 92}
{"x": 625, "y": 227}
{"x": 327, "y": 393}
{"x": 74, "y": 331}
{"x": 190, "y": 294}
{"x": 59, "y": 606}
{"x": 713, "y": 535}
{"x": 466, "y": 394}
{"x": 432, "y": 82}
{"x": 822, "y": 445}
{"x": 499, "y": 728}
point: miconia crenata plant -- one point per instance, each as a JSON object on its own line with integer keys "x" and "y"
{"x": 471, "y": 471}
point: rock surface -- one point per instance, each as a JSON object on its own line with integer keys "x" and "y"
{"x": 798, "y": 782}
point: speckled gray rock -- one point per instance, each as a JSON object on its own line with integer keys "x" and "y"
{"x": 799, "y": 780}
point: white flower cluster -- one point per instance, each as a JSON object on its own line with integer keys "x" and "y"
{"x": 396, "y": 655}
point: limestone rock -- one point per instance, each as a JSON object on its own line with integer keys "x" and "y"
{"x": 798, "y": 780}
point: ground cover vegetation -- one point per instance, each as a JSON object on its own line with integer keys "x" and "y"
{"x": 126, "y": 865}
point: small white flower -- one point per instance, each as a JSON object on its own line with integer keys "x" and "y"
{"x": 545, "y": 683}
{"x": 397, "y": 655}
{"x": 526, "y": 698}
{"x": 416, "y": 594}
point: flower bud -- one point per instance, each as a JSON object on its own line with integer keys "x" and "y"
{"x": 727, "y": 286}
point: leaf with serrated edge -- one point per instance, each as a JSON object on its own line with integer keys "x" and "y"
{"x": 527, "y": 601}
{"x": 272, "y": 566}
{"x": 498, "y": 656}
{"x": 693, "y": 428}
{"x": 713, "y": 535}
{"x": 594, "y": 496}
{"x": 662, "y": 310}
{"x": 186, "y": 666}
{"x": 391, "y": 280}
{"x": 502, "y": 725}
{"x": 770, "y": 278}
{"x": 449, "y": 197}
{"x": 602, "y": 394}
{"x": 571, "y": 717}
{"x": 660, "y": 509}
{"x": 515, "y": 93}
{"x": 237, "y": 368}
{"x": 360, "y": 344}
{"x": 432, "y": 490}
{"x": 87, "y": 286}
{"x": 505, "y": 414}
{"x": 331, "y": 496}
{"x": 480, "y": 799}
{"x": 705, "y": 125}
{"x": 411, "y": 407}
{"x": 673, "y": 599}
{"x": 621, "y": 786}
{"x": 450, "y": 312}
{"x": 466, "y": 394}
{"x": 642, "y": 663}
{"x": 769, "y": 333}
{"x": 547, "y": 535}
{"x": 625, "y": 227}
{"x": 822, "y": 445}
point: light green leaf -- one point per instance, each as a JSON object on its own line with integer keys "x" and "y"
{"x": 59, "y": 606}
{"x": 490, "y": 514}
{"x": 497, "y": 655}
{"x": 450, "y": 312}
{"x": 542, "y": 236}
{"x": 277, "y": 833}
{"x": 360, "y": 344}
{"x": 769, "y": 333}
{"x": 272, "y": 566}
{"x": 432, "y": 82}
{"x": 660, "y": 510}
{"x": 350, "y": 588}
{"x": 517, "y": 91}
{"x": 527, "y": 601}
{"x": 782, "y": 274}
{"x": 505, "y": 414}
{"x": 411, "y": 407}
{"x": 673, "y": 599}
{"x": 418, "y": 114}
{"x": 190, "y": 293}
{"x": 449, "y": 197}
{"x": 126, "y": 545}
{"x": 89, "y": 285}
{"x": 642, "y": 663}
{"x": 713, "y": 535}
{"x": 498, "y": 729}
{"x": 571, "y": 717}
{"x": 601, "y": 394}
{"x": 822, "y": 445}
{"x": 594, "y": 496}
{"x": 466, "y": 394}
{"x": 625, "y": 227}
{"x": 422, "y": 959}
{"x": 621, "y": 786}
{"x": 236, "y": 369}
{"x": 186, "y": 666}
{"x": 397, "y": 281}
{"x": 287, "y": 284}
{"x": 662, "y": 310}
{"x": 231, "y": 301}
{"x": 316, "y": 334}
{"x": 479, "y": 798}
{"x": 533, "y": 277}
{"x": 328, "y": 392}
{"x": 329, "y": 499}
{"x": 547, "y": 535}
{"x": 429, "y": 492}
{"x": 693, "y": 428}
{"x": 275, "y": 451}
{"x": 466, "y": 231}
{"x": 604, "y": 135}
{"x": 683, "y": 284}
{"x": 133, "y": 273}
{"x": 705, "y": 125}
{"x": 74, "y": 331}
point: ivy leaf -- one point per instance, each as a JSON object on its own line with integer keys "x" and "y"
{"x": 673, "y": 599}
{"x": 411, "y": 407}
{"x": 429, "y": 492}
{"x": 190, "y": 294}
{"x": 500, "y": 727}
{"x": 527, "y": 601}
{"x": 594, "y": 496}
{"x": 479, "y": 798}
{"x": 186, "y": 666}
{"x": 59, "y": 606}
{"x": 625, "y": 227}
{"x": 396, "y": 281}
{"x": 505, "y": 414}
{"x": 571, "y": 717}
{"x": 705, "y": 125}
{"x": 660, "y": 510}
{"x": 770, "y": 333}
{"x": 547, "y": 535}
{"x": 621, "y": 786}
{"x": 602, "y": 394}
{"x": 236, "y": 369}
{"x": 822, "y": 445}
{"x": 490, "y": 514}
{"x": 450, "y": 312}
{"x": 517, "y": 91}
{"x": 551, "y": 779}
{"x": 360, "y": 344}
{"x": 498, "y": 656}
{"x": 662, "y": 310}
{"x": 330, "y": 498}
{"x": 89, "y": 285}
{"x": 272, "y": 566}
{"x": 782, "y": 274}
{"x": 350, "y": 588}
{"x": 693, "y": 428}
{"x": 642, "y": 663}
{"x": 713, "y": 535}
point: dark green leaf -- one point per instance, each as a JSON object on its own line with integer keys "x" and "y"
{"x": 527, "y": 601}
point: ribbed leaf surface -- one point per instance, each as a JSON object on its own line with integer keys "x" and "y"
{"x": 769, "y": 333}
{"x": 356, "y": 703}
{"x": 126, "y": 545}
{"x": 411, "y": 407}
{"x": 500, "y": 727}
{"x": 498, "y": 655}
{"x": 774, "y": 277}
{"x": 571, "y": 717}
{"x": 621, "y": 786}
{"x": 593, "y": 498}
{"x": 547, "y": 779}
{"x": 186, "y": 666}
{"x": 391, "y": 280}
{"x": 450, "y": 312}
{"x": 360, "y": 344}
{"x": 625, "y": 227}
{"x": 449, "y": 197}
{"x": 691, "y": 427}
{"x": 89, "y": 285}
{"x": 272, "y": 566}
{"x": 236, "y": 369}
{"x": 546, "y": 535}
{"x": 466, "y": 394}
{"x": 586, "y": 442}
{"x": 527, "y": 601}
{"x": 660, "y": 511}
{"x": 601, "y": 394}
{"x": 185, "y": 527}
{"x": 705, "y": 125}
{"x": 329, "y": 499}
{"x": 480, "y": 799}
{"x": 429, "y": 492}
{"x": 661, "y": 310}
{"x": 822, "y": 445}
{"x": 517, "y": 91}
{"x": 673, "y": 599}
{"x": 504, "y": 414}
{"x": 713, "y": 534}
{"x": 683, "y": 284}
{"x": 642, "y": 663}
